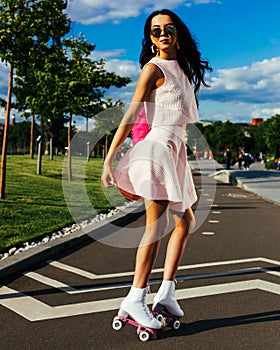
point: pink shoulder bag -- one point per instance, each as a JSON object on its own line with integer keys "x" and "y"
{"x": 141, "y": 127}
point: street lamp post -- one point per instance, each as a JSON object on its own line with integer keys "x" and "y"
{"x": 39, "y": 160}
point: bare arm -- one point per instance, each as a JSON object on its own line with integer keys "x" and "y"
{"x": 146, "y": 82}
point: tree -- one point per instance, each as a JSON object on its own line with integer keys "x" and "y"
{"x": 272, "y": 135}
{"x": 25, "y": 29}
{"x": 70, "y": 82}
{"x": 18, "y": 137}
{"x": 83, "y": 83}
{"x": 107, "y": 122}
{"x": 257, "y": 133}
{"x": 220, "y": 135}
{"x": 37, "y": 89}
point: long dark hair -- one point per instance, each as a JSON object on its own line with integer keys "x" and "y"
{"x": 188, "y": 56}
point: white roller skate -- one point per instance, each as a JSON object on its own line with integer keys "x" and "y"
{"x": 134, "y": 311}
{"x": 165, "y": 307}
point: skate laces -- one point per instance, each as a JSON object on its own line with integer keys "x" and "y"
{"x": 147, "y": 311}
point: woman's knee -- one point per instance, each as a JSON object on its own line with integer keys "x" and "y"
{"x": 158, "y": 226}
{"x": 186, "y": 222}
{"x": 191, "y": 222}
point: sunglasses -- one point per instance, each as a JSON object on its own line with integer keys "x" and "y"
{"x": 169, "y": 29}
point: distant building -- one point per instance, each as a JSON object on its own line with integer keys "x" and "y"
{"x": 257, "y": 121}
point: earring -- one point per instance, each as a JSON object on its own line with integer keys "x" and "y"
{"x": 178, "y": 45}
{"x": 154, "y": 48}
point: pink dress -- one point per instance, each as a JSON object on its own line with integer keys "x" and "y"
{"x": 156, "y": 168}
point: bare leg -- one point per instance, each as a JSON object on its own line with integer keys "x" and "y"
{"x": 177, "y": 243}
{"x": 165, "y": 296}
{"x": 156, "y": 225}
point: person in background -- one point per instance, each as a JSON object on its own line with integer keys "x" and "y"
{"x": 240, "y": 157}
{"x": 228, "y": 156}
{"x": 247, "y": 159}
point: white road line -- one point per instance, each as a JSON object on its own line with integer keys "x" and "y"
{"x": 216, "y": 212}
{"x": 71, "y": 290}
{"x": 208, "y": 233}
{"x": 92, "y": 276}
{"x": 231, "y": 262}
{"x": 35, "y": 310}
{"x": 275, "y": 273}
{"x": 87, "y": 274}
{"x": 213, "y": 221}
{"x": 72, "y": 269}
{"x": 49, "y": 282}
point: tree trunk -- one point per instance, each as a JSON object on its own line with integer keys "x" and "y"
{"x": 32, "y": 136}
{"x": 69, "y": 149}
{"x": 5, "y": 136}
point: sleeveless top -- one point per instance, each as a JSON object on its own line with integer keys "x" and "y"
{"x": 174, "y": 102}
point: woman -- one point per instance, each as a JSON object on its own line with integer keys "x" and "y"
{"x": 156, "y": 168}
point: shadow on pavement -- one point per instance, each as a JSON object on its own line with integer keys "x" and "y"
{"x": 206, "y": 325}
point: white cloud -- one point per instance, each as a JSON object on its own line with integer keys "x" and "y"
{"x": 265, "y": 112}
{"x": 202, "y": 2}
{"x": 199, "y": 2}
{"x": 255, "y": 84}
{"x": 96, "y": 55}
{"x": 95, "y": 11}
{"x": 240, "y": 94}
{"x": 123, "y": 67}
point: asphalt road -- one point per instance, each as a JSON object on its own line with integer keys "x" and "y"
{"x": 228, "y": 285}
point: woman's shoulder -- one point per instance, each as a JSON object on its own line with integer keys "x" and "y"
{"x": 152, "y": 68}
{"x": 166, "y": 67}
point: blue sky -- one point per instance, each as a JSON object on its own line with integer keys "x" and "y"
{"x": 240, "y": 38}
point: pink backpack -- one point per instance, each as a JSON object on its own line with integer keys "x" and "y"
{"x": 140, "y": 128}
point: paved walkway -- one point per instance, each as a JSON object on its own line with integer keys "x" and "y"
{"x": 265, "y": 183}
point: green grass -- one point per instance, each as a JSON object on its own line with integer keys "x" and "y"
{"x": 35, "y": 205}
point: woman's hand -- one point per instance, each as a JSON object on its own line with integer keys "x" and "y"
{"x": 108, "y": 178}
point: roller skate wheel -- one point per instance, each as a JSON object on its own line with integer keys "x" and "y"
{"x": 117, "y": 324}
{"x": 159, "y": 317}
{"x": 144, "y": 336}
{"x": 176, "y": 325}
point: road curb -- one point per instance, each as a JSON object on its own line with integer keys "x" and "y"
{"x": 229, "y": 177}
